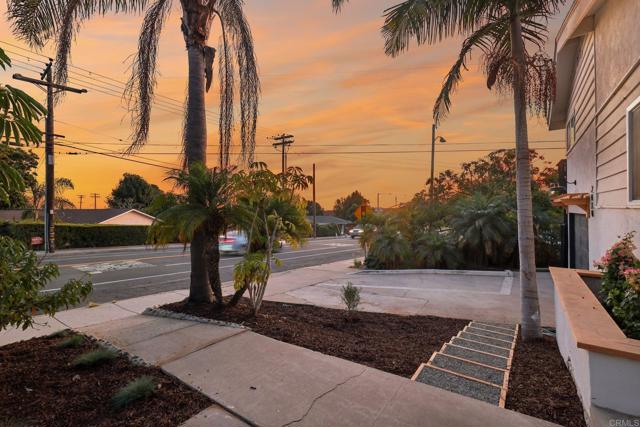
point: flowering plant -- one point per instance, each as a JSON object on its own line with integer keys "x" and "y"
{"x": 621, "y": 285}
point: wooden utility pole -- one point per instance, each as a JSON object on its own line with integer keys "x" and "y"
{"x": 95, "y": 200}
{"x": 283, "y": 143}
{"x": 81, "y": 197}
{"x": 46, "y": 80}
{"x": 315, "y": 227}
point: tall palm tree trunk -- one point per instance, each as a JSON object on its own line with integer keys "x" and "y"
{"x": 195, "y": 31}
{"x": 530, "y": 308}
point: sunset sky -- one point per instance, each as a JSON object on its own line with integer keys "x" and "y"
{"x": 325, "y": 79}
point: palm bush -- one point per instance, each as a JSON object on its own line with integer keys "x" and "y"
{"x": 389, "y": 249}
{"x": 436, "y": 249}
{"x": 203, "y": 215}
{"x": 485, "y": 228}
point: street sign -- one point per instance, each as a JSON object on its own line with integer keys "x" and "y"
{"x": 36, "y": 240}
{"x": 363, "y": 211}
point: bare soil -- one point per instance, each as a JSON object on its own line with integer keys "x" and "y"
{"x": 39, "y": 387}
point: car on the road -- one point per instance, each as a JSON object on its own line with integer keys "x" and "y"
{"x": 233, "y": 243}
{"x": 356, "y": 232}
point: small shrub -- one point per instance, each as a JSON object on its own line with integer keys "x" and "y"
{"x": 137, "y": 389}
{"x": 59, "y": 334}
{"x": 351, "y": 298}
{"x": 71, "y": 342}
{"x": 357, "y": 263}
{"x": 94, "y": 358}
{"x": 621, "y": 285}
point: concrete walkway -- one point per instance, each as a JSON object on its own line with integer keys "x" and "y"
{"x": 266, "y": 382}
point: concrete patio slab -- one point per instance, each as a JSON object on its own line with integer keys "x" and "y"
{"x": 271, "y": 383}
{"x": 484, "y": 296}
{"x": 45, "y": 326}
{"x": 214, "y": 416}
{"x": 174, "y": 345}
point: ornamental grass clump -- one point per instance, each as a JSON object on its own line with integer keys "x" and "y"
{"x": 621, "y": 285}
{"x": 94, "y": 358}
{"x": 71, "y": 342}
{"x": 137, "y": 389}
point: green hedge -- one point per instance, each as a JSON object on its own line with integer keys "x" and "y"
{"x": 328, "y": 230}
{"x": 79, "y": 235}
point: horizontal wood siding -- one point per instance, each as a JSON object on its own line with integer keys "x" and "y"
{"x": 583, "y": 100}
{"x": 611, "y": 154}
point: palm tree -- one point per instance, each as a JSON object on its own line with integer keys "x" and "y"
{"x": 39, "y": 21}
{"x": 201, "y": 218}
{"x": 502, "y": 30}
{"x": 60, "y": 185}
{"x": 389, "y": 248}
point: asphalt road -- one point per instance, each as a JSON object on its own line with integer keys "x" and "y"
{"x": 132, "y": 272}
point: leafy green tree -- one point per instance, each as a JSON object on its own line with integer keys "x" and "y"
{"x": 502, "y": 30}
{"x": 199, "y": 219}
{"x": 319, "y": 209}
{"x": 345, "y": 207}
{"x": 41, "y": 21}
{"x": 268, "y": 212}
{"x": 24, "y": 164}
{"x": 435, "y": 249}
{"x": 133, "y": 192}
{"x": 23, "y": 279}
{"x": 162, "y": 202}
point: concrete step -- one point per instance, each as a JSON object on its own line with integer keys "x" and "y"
{"x": 492, "y": 328}
{"x": 486, "y": 340}
{"x": 489, "y": 334}
{"x": 468, "y": 368}
{"x": 511, "y": 328}
{"x": 475, "y": 356}
{"x": 455, "y": 383}
{"x": 486, "y": 348}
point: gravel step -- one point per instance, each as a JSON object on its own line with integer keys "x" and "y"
{"x": 499, "y": 325}
{"x": 458, "y": 384}
{"x": 486, "y": 340}
{"x": 470, "y": 369}
{"x": 476, "y": 356}
{"x": 473, "y": 345}
{"x": 492, "y": 328}
{"x": 489, "y": 334}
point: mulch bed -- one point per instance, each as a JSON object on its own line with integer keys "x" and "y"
{"x": 39, "y": 387}
{"x": 391, "y": 343}
{"x": 540, "y": 384}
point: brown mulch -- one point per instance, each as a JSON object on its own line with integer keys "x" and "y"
{"x": 391, "y": 343}
{"x": 39, "y": 387}
{"x": 540, "y": 384}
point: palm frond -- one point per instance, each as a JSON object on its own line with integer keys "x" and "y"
{"x": 140, "y": 88}
{"x": 337, "y": 4}
{"x": 240, "y": 38}
{"x": 483, "y": 39}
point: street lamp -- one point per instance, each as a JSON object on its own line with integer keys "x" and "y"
{"x": 441, "y": 140}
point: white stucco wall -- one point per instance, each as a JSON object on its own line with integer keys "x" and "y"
{"x": 129, "y": 218}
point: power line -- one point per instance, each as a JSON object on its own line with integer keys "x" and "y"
{"x": 114, "y": 156}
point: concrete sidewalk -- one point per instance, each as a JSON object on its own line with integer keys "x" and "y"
{"x": 265, "y": 382}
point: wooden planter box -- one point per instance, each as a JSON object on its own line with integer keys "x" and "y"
{"x": 605, "y": 364}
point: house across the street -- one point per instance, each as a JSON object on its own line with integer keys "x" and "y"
{"x": 598, "y": 104}
{"x": 89, "y": 216}
{"x": 330, "y": 220}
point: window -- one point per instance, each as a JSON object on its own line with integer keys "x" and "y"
{"x": 571, "y": 132}
{"x": 633, "y": 150}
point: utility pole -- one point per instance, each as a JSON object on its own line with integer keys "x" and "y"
{"x": 95, "y": 200}
{"x": 46, "y": 80}
{"x": 81, "y": 196}
{"x": 284, "y": 141}
{"x": 315, "y": 228}
{"x": 378, "y": 197}
{"x": 433, "y": 153}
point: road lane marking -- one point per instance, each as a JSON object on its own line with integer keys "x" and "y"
{"x": 281, "y": 258}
